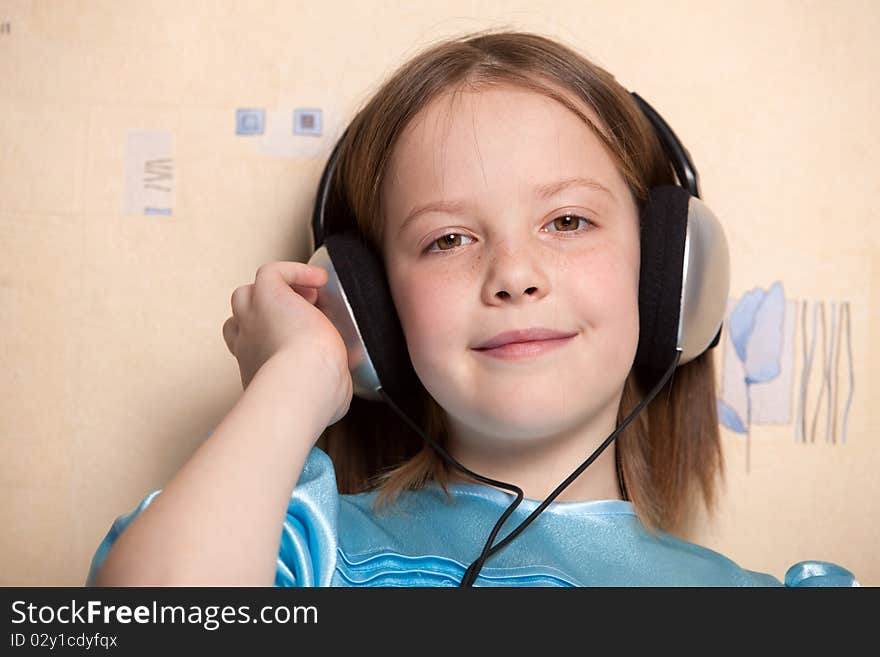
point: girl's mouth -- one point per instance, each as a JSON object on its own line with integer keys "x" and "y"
{"x": 522, "y": 350}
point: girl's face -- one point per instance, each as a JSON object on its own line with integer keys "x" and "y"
{"x": 505, "y": 241}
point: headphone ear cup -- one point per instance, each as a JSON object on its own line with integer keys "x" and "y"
{"x": 358, "y": 301}
{"x": 684, "y": 281}
{"x": 663, "y": 228}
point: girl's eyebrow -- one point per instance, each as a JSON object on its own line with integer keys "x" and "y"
{"x": 543, "y": 191}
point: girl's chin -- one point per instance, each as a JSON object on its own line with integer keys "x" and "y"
{"x": 515, "y": 431}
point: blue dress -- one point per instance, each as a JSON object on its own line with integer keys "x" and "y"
{"x": 429, "y": 539}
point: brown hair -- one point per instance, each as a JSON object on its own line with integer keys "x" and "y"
{"x": 670, "y": 454}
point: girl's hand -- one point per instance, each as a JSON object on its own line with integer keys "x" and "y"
{"x": 277, "y": 313}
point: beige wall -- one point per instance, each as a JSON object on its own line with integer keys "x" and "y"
{"x": 114, "y": 368}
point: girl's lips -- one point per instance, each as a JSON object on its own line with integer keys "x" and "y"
{"x": 521, "y": 350}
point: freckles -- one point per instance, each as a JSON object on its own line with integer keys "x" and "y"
{"x": 475, "y": 264}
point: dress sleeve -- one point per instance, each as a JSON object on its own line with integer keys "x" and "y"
{"x": 819, "y": 573}
{"x": 307, "y": 554}
{"x": 116, "y": 529}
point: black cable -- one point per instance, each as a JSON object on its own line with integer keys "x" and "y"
{"x": 473, "y": 570}
{"x": 470, "y": 575}
{"x": 442, "y": 452}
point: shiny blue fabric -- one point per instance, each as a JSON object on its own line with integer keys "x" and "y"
{"x": 429, "y": 539}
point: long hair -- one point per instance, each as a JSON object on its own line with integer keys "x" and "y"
{"x": 670, "y": 455}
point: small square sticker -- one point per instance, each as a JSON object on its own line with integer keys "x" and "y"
{"x": 307, "y": 122}
{"x": 249, "y": 121}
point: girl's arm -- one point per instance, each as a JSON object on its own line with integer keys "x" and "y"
{"x": 218, "y": 521}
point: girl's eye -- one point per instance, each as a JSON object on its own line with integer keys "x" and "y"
{"x": 447, "y": 242}
{"x": 568, "y": 223}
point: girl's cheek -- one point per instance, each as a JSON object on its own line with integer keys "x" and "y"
{"x": 435, "y": 295}
{"x": 423, "y": 300}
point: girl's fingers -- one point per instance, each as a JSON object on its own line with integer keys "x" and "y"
{"x": 310, "y": 294}
{"x": 294, "y": 273}
{"x": 230, "y": 331}
{"x": 241, "y": 299}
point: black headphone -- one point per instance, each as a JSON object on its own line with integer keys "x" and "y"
{"x": 683, "y": 287}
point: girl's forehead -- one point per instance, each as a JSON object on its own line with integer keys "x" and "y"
{"x": 471, "y": 110}
{"x": 494, "y": 135}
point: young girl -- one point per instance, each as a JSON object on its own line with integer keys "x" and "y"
{"x": 500, "y": 178}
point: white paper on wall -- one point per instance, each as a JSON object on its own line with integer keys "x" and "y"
{"x": 149, "y": 172}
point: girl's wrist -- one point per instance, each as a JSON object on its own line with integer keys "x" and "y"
{"x": 308, "y": 382}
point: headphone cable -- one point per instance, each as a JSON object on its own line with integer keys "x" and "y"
{"x": 474, "y": 569}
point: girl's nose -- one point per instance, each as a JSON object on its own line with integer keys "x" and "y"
{"x": 504, "y": 294}
{"x": 515, "y": 275}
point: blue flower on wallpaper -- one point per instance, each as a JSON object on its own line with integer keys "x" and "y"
{"x": 755, "y": 329}
{"x": 728, "y": 416}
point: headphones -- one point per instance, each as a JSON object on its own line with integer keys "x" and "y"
{"x": 683, "y": 282}
{"x": 683, "y": 286}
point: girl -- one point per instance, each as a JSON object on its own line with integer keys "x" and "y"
{"x": 500, "y": 178}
